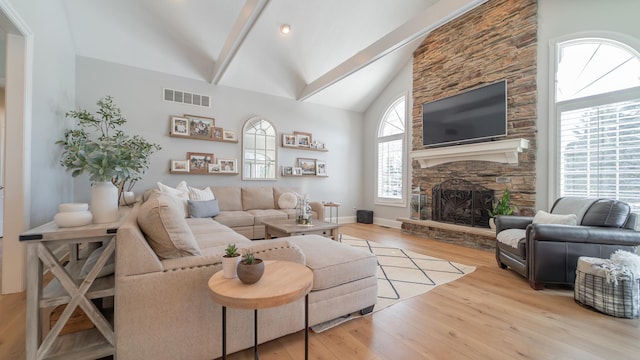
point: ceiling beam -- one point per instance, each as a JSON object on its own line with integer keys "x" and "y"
{"x": 420, "y": 25}
{"x": 248, "y": 17}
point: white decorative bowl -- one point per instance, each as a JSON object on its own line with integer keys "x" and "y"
{"x": 73, "y": 207}
{"x": 73, "y": 215}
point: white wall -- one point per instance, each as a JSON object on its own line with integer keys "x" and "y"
{"x": 138, "y": 93}
{"x": 561, "y": 20}
{"x": 401, "y": 85}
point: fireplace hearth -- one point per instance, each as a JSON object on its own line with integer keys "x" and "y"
{"x": 460, "y": 202}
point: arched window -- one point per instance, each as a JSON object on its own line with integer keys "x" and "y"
{"x": 598, "y": 120}
{"x": 391, "y": 164}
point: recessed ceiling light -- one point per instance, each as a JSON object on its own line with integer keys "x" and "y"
{"x": 285, "y": 29}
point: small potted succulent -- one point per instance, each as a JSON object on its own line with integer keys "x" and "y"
{"x": 502, "y": 207}
{"x": 250, "y": 268}
{"x": 230, "y": 261}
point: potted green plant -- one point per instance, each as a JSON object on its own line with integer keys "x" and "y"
{"x": 501, "y": 207}
{"x": 250, "y": 268}
{"x": 106, "y": 153}
{"x": 230, "y": 261}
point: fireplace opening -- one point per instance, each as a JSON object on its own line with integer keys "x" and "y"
{"x": 460, "y": 202}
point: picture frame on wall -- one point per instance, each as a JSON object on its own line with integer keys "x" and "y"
{"x": 308, "y": 166}
{"x": 201, "y": 127}
{"x": 303, "y": 140}
{"x": 321, "y": 168}
{"x": 287, "y": 171}
{"x": 199, "y": 162}
{"x": 214, "y": 168}
{"x": 179, "y": 126}
{"x": 289, "y": 140}
{"x": 180, "y": 166}
{"x": 228, "y": 165}
{"x": 228, "y": 135}
{"x": 296, "y": 171}
{"x": 217, "y": 133}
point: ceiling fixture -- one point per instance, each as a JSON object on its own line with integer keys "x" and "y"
{"x": 285, "y": 29}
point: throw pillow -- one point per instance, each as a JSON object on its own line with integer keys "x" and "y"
{"x": 200, "y": 194}
{"x": 166, "y": 229}
{"x": 543, "y": 217}
{"x": 203, "y": 208}
{"x": 288, "y": 200}
{"x": 181, "y": 192}
{"x": 108, "y": 269}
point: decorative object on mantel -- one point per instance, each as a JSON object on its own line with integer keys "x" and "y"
{"x": 502, "y": 151}
{"x": 250, "y": 269}
{"x": 73, "y": 215}
{"x": 112, "y": 158}
{"x": 501, "y": 207}
{"x": 418, "y": 204}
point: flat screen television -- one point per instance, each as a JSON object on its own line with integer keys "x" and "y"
{"x": 471, "y": 116}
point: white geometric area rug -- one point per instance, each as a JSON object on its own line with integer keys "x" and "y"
{"x": 402, "y": 274}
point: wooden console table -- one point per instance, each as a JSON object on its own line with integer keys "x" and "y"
{"x": 283, "y": 282}
{"x": 44, "y": 245}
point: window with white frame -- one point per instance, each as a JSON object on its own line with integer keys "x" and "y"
{"x": 598, "y": 114}
{"x": 390, "y": 148}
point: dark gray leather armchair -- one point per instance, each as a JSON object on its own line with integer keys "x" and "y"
{"x": 548, "y": 253}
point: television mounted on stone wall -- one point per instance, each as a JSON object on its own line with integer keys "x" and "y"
{"x": 476, "y": 115}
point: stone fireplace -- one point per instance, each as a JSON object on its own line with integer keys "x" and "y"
{"x": 495, "y": 41}
{"x": 460, "y": 202}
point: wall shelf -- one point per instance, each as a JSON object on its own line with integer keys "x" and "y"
{"x": 503, "y": 151}
{"x": 196, "y": 138}
{"x": 202, "y": 173}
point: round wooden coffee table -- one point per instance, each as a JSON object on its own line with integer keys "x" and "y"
{"x": 283, "y": 282}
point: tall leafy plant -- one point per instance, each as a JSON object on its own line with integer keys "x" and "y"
{"x": 101, "y": 149}
{"x": 502, "y": 206}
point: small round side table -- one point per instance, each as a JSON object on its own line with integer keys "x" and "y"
{"x": 283, "y": 282}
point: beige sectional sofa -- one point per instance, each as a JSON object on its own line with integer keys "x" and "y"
{"x": 164, "y": 260}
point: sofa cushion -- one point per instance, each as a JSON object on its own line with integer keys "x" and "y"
{"x": 166, "y": 230}
{"x": 337, "y": 263}
{"x": 234, "y": 218}
{"x": 543, "y": 217}
{"x": 203, "y": 208}
{"x": 210, "y": 233}
{"x": 200, "y": 194}
{"x": 288, "y": 200}
{"x": 229, "y": 197}
{"x": 261, "y": 215}
{"x": 260, "y": 197}
{"x": 607, "y": 213}
{"x": 511, "y": 237}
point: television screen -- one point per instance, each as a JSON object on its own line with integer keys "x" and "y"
{"x": 473, "y": 115}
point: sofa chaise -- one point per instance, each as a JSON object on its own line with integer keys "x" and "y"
{"x": 164, "y": 260}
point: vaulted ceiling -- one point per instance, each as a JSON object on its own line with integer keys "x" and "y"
{"x": 339, "y": 53}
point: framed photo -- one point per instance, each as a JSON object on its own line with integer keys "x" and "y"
{"x": 296, "y": 133}
{"x": 297, "y": 171}
{"x": 228, "y": 165}
{"x": 179, "y": 126}
{"x": 214, "y": 168}
{"x": 179, "y": 165}
{"x": 321, "y": 168}
{"x": 200, "y": 127}
{"x": 320, "y": 146}
{"x": 228, "y": 135}
{"x": 303, "y": 140}
{"x": 287, "y": 171}
{"x": 217, "y": 133}
{"x": 289, "y": 140}
{"x": 308, "y": 166}
{"x": 199, "y": 162}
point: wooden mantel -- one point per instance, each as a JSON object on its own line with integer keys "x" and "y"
{"x": 502, "y": 151}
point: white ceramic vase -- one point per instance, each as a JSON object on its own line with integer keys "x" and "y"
{"x": 104, "y": 202}
{"x": 230, "y": 266}
{"x": 492, "y": 224}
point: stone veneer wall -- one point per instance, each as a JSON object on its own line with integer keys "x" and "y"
{"x": 495, "y": 41}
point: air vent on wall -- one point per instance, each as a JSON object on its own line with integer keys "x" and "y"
{"x": 188, "y": 98}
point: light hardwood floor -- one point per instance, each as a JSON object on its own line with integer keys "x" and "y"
{"x": 489, "y": 314}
